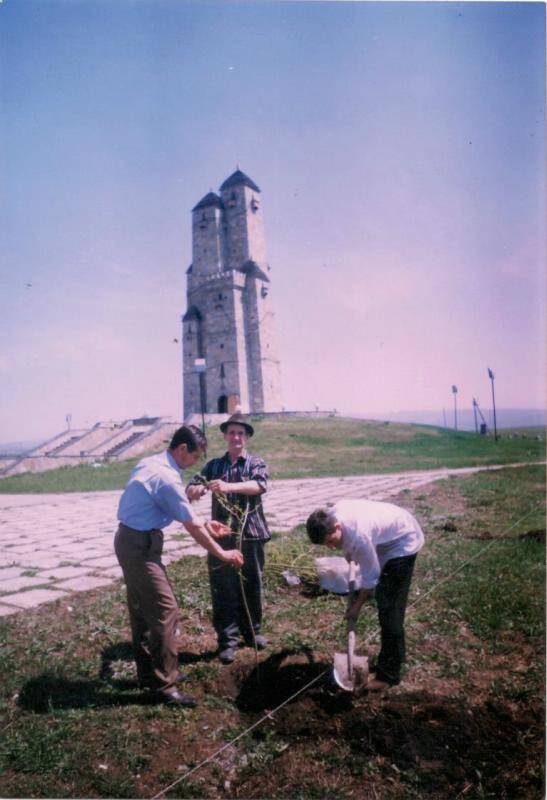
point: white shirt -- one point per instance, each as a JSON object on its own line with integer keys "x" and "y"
{"x": 373, "y": 533}
{"x": 155, "y": 495}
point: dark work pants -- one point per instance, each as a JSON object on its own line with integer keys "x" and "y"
{"x": 230, "y": 618}
{"x": 153, "y": 610}
{"x": 391, "y": 597}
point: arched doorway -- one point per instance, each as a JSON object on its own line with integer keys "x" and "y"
{"x": 223, "y": 404}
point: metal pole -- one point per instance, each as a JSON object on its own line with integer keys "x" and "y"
{"x": 491, "y": 376}
{"x": 475, "y": 414}
{"x": 200, "y": 365}
{"x": 455, "y": 392}
{"x": 201, "y": 381}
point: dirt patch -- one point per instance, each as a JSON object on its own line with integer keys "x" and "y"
{"x": 426, "y": 733}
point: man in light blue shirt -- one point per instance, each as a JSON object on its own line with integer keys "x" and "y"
{"x": 153, "y": 498}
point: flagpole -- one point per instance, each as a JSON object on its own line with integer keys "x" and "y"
{"x": 491, "y": 376}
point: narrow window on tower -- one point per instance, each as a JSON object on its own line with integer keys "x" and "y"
{"x": 222, "y": 373}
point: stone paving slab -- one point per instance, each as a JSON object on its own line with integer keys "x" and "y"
{"x": 11, "y": 572}
{"x": 6, "y": 610}
{"x": 84, "y": 583}
{"x": 63, "y": 573}
{"x": 40, "y": 561}
{"x": 33, "y": 598}
{"x": 61, "y": 533}
{"x": 23, "y": 582}
{"x": 105, "y": 561}
{"x": 113, "y": 572}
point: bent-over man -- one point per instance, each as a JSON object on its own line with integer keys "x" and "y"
{"x": 153, "y": 498}
{"x": 384, "y": 540}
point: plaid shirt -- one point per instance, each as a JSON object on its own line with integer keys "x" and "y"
{"x": 246, "y": 468}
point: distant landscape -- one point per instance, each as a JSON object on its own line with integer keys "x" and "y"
{"x": 505, "y": 418}
{"x": 327, "y": 446}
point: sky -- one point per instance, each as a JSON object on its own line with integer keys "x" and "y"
{"x": 399, "y": 148}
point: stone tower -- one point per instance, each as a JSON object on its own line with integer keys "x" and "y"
{"x": 230, "y": 322}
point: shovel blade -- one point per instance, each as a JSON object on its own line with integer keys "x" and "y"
{"x": 358, "y": 677}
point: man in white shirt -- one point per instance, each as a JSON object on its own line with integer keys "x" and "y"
{"x": 384, "y": 540}
{"x": 153, "y": 498}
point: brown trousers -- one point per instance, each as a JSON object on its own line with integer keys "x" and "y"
{"x": 153, "y": 610}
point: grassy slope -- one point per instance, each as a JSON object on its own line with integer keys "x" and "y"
{"x": 466, "y": 722}
{"x": 323, "y": 447}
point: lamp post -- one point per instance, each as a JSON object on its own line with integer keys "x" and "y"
{"x": 200, "y": 365}
{"x": 455, "y": 393}
{"x": 491, "y": 376}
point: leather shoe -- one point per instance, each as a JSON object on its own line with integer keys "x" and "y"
{"x": 177, "y": 698}
{"x": 376, "y": 685}
{"x": 227, "y": 655}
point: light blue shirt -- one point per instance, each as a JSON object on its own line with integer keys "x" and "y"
{"x": 154, "y": 496}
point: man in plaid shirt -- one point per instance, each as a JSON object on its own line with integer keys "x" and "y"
{"x": 240, "y": 479}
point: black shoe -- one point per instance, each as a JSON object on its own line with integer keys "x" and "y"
{"x": 177, "y": 698}
{"x": 227, "y": 655}
{"x": 260, "y": 641}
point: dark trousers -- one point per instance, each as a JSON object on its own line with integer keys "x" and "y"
{"x": 391, "y": 598}
{"x": 230, "y": 619}
{"x": 153, "y": 610}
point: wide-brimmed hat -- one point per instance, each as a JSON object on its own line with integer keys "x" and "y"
{"x": 237, "y": 419}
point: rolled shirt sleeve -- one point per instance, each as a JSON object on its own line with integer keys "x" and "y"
{"x": 258, "y": 472}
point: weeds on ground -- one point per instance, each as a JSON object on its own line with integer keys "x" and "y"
{"x": 466, "y": 720}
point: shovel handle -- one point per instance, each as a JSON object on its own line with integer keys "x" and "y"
{"x": 351, "y": 598}
{"x": 351, "y": 650}
{"x": 351, "y": 578}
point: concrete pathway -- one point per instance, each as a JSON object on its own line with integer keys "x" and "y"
{"x": 52, "y": 545}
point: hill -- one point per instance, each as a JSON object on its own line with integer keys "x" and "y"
{"x": 305, "y": 448}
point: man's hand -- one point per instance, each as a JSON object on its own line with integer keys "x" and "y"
{"x": 354, "y": 610}
{"x": 219, "y": 487}
{"x": 233, "y": 557}
{"x": 217, "y": 529}
{"x": 195, "y": 492}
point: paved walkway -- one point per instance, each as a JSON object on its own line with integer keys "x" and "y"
{"x": 54, "y": 544}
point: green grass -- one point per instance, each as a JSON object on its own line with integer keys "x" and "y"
{"x": 468, "y": 714}
{"x": 300, "y": 448}
{"x": 503, "y": 533}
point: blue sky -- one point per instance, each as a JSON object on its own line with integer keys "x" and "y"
{"x": 399, "y": 149}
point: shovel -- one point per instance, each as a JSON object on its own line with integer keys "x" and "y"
{"x": 350, "y": 672}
